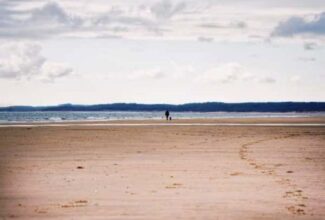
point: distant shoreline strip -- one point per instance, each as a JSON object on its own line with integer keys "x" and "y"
{"x": 166, "y": 124}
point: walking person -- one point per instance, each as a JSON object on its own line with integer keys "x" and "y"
{"x": 167, "y": 115}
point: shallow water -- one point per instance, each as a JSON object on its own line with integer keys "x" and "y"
{"x": 20, "y": 117}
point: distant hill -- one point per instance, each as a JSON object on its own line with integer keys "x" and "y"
{"x": 194, "y": 107}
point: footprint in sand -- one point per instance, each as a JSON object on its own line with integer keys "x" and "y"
{"x": 41, "y": 210}
{"x": 78, "y": 203}
{"x": 295, "y": 195}
{"x": 130, "y": 193}
{"x": 296, "y": 211}
{"x": 236, "y": 174}
{"x": 174, "y": 186}
{"x": 81, "y": 201}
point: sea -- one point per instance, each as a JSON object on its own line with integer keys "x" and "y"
{"x": 77, "y": 116}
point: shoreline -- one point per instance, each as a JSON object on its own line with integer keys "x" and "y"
{"x": 257, "y": 121}
{"x": 183, "y": 117}
{"x": 166, "y": 124}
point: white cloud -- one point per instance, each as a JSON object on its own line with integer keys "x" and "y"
{"x": 295, "y": 79}
{"x": 171, "y": 71}
{"x": 53, "y": 19}
{"x": 310, "y": 46}
{"x": 232, "y": 72}
{"x": 267, "y": 80}
{"x": 296, "y": 25}
{"x": 53, "y": 14}
{"x": 205, "y": 39}
{"x": 224, "y": 73}
{"x": 234, "y": 25}
{"x": 307, "y": 59}
{"x": 167, "y": 19}
{"x": 165, "y": 9}
{"x": 45, "y": 21}
{"x": 23, "y": 60}
{"x": 51, "y": 71}
{"x": 155, "y": 73}
{"x": 20, "y": 60}
{"x": 240, "y": 24}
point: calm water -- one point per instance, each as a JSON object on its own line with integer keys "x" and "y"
{"x": 13, "y": 117}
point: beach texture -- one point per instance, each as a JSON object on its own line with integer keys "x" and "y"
{"x": 164, "y": 172}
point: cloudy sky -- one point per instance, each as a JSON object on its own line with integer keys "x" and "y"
{"x": 161, "y": 51}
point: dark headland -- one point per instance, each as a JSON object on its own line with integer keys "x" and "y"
{"x": 193, "y": 107}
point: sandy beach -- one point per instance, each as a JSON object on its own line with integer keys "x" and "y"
{"x": 164, "y": 172}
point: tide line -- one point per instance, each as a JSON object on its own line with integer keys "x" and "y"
{"x": 165, "y": 124}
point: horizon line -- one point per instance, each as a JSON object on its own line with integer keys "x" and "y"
{"x": 172, "y": 104}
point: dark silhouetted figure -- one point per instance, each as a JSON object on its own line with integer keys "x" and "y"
{"x": 167, "y": 115}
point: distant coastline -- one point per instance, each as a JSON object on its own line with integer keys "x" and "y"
{"x": 189, "y": 107}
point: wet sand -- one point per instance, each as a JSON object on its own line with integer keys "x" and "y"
{"x": 164, "y": 172}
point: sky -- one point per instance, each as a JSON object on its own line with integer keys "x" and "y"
{"x": 161, "y": 51}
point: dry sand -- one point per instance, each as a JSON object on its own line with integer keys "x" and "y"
{"x": 164, "y": 172}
